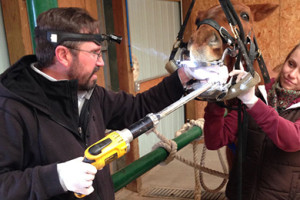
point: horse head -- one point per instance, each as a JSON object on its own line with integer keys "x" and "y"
{"x": 214, "y": 37}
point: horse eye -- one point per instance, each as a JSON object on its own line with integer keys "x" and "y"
{"x": 244, "y": 16}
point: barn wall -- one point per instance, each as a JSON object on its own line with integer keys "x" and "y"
{"x": 276, "y": 35}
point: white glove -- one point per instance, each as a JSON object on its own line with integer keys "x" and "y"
{"x": 211, "y": 74}
{"x": 77, "y": 176}
{"x": 248, "y": 96}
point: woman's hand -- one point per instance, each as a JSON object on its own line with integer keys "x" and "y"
{"x": 248, "y": 96}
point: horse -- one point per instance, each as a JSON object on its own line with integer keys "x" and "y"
{"x": 207, "y": 44}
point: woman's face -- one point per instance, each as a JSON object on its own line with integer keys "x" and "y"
{"x": 290, "y": 73}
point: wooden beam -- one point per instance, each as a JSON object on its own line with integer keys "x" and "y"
{"x": 125, "y": 74}
{"x": 146, "y": 85}
{"x": 89, "y": 5}
{"x": 16, "y": 29}
{"x": 71, "y": 3}
{"x": 120, "y": 26}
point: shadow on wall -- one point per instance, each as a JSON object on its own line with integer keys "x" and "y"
{"x": 4, "y": 59}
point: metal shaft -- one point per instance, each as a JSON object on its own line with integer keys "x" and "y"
{"x": 183, "y": 100}
{"x": 151, "y": 120}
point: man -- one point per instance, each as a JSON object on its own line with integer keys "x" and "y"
{"x": 51, "y": 110}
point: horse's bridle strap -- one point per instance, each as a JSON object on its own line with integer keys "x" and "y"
{"x": 179, "y": 43}
{"x": 261, "y": 63}
{"x": 223, "y": 32}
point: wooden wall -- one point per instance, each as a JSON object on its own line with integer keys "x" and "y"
{"x": 16, "y": 28}
{"x": 276, "y": 35}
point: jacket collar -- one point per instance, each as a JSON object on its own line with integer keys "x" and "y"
{"x": 265, "y": 88}
{"x": 56, "y": 99}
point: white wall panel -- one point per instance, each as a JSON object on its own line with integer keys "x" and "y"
{"x": 154, "y": 25}
{"x": 4, "y": 59}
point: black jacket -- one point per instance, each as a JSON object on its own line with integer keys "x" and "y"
{"x": 39, "y": 128}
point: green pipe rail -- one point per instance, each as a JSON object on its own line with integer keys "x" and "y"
{"x": 34, "y": 8}
{"x": 137, "y": 168}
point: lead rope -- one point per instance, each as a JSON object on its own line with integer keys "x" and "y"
{"x": 199, "y": 168}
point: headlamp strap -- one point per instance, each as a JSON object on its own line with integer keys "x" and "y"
{"x": 57, "y": 37}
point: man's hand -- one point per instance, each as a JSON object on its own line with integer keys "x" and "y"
{"x": 248, "y": 96}
{"x": 77, "y": 176}
{"x": 210, "y": 74}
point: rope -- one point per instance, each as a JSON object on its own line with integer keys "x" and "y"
{"x": 199, "y": 168}
{"x": 201, "y": 174}
{"x": 167, "y": 144}
{"x": 189, "y": 125}
{"x": 200, "y": 123}
{"x": 197, "y": 193}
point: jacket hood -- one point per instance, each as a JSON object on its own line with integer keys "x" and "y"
{"x": 57, "y": 99}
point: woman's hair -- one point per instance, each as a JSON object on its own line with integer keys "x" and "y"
{"x": 292, "y": 51}
{"x": 73, "y": 20}
{"x": 279, "y": 67}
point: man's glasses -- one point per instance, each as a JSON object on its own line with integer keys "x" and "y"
{"x": 94, "y": 53}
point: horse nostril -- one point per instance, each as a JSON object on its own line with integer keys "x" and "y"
{"x": 190, "y": 44}
{"x": 214, "y": 41}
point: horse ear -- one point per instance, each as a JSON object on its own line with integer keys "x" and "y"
{"x": 200, "y": 15}
{"x": 261, "y": 11}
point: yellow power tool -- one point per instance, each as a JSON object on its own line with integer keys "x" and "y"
{"x": 117, "y": 143}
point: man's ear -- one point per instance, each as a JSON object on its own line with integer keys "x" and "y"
{"x": 63, "y": 55}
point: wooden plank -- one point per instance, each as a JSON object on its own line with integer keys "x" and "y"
{"x": 174, "y": 0}
{"x": 89, "y": 5}
{"x": 16, "y": 29}
{"x": 92, "y": 8}
{"x": 289, "y": 21}
{"x": 120, "y": 27}
{"x": 146, "y": 85}
{"x": 71, "y": 3}
{"x": 125, "y": 74}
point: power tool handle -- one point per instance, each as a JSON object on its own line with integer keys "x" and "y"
{"x": 85, "y": 160}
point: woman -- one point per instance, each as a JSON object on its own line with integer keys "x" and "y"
{"x": 271, "y": 167}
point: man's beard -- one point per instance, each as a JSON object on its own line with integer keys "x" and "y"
{"x": 87, "y": 85}
{"x": 84, "y": 82}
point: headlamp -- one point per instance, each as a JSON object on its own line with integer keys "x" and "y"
{"x": 57, "y": 37}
